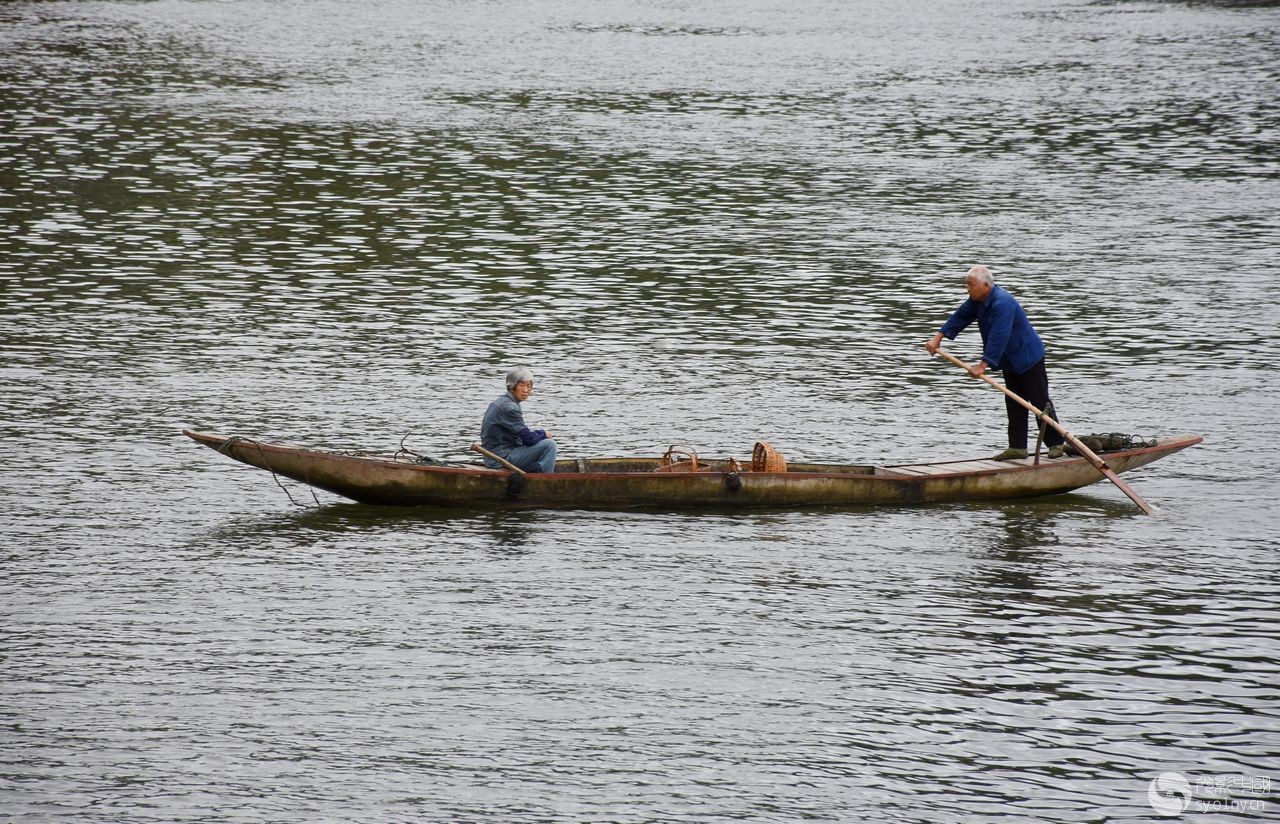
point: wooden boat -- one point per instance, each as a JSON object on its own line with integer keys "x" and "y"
{"x": 614, "y": 483}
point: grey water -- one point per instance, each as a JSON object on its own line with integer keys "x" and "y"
{"x": 338, "y": 224}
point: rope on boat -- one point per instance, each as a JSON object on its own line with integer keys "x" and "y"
{"x": 402, "y": 455}
{"x": 306, "y": 478}
{"x": 412, "y": 456}
{"x": 404, "y": 450}
{"x": 225, "y": 449}
{"x": 235, "y": 440}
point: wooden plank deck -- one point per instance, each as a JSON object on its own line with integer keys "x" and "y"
{"x": 951, "y": 468}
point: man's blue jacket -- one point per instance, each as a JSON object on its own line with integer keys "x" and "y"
{"x": 1009, "y": 341}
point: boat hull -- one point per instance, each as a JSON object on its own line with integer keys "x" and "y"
{"x": 615, "y": 483}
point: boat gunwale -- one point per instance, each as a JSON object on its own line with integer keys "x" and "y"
{"x": 1169, "y": 443}
{"x": 884, "y": 472}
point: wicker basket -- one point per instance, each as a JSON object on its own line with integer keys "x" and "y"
{"x": 764, "y": 458}
{"x": 679, "y": 459}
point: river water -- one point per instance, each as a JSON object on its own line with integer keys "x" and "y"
{"x": 338, "y": 224}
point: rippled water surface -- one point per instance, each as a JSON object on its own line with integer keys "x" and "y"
{"x": 338, "y": 224}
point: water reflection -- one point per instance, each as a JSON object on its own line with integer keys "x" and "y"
{"x": 512, "y": 533}
{"x": 509, "y": 533}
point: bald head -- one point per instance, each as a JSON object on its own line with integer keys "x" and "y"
{"x": 979, "y": 274}
{"x": 979, "y": 282}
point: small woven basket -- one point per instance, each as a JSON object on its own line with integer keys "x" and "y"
{"x": 681, "y": 460}
{"x": 764, "y": 458}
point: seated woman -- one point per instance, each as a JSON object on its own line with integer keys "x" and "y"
{"x": 503, "y": 431}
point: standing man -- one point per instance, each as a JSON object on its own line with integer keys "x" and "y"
{"x": 1009, "y": 344}
{"x": 503, "y": 431}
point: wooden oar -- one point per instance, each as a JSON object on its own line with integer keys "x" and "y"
{"x": 475, "y": 447}
{"x": 1088, "y": 453}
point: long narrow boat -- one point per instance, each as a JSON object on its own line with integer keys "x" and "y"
{"x": 615, "y": 483}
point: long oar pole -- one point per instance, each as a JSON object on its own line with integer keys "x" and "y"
{"x": 1088, "y": 453}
